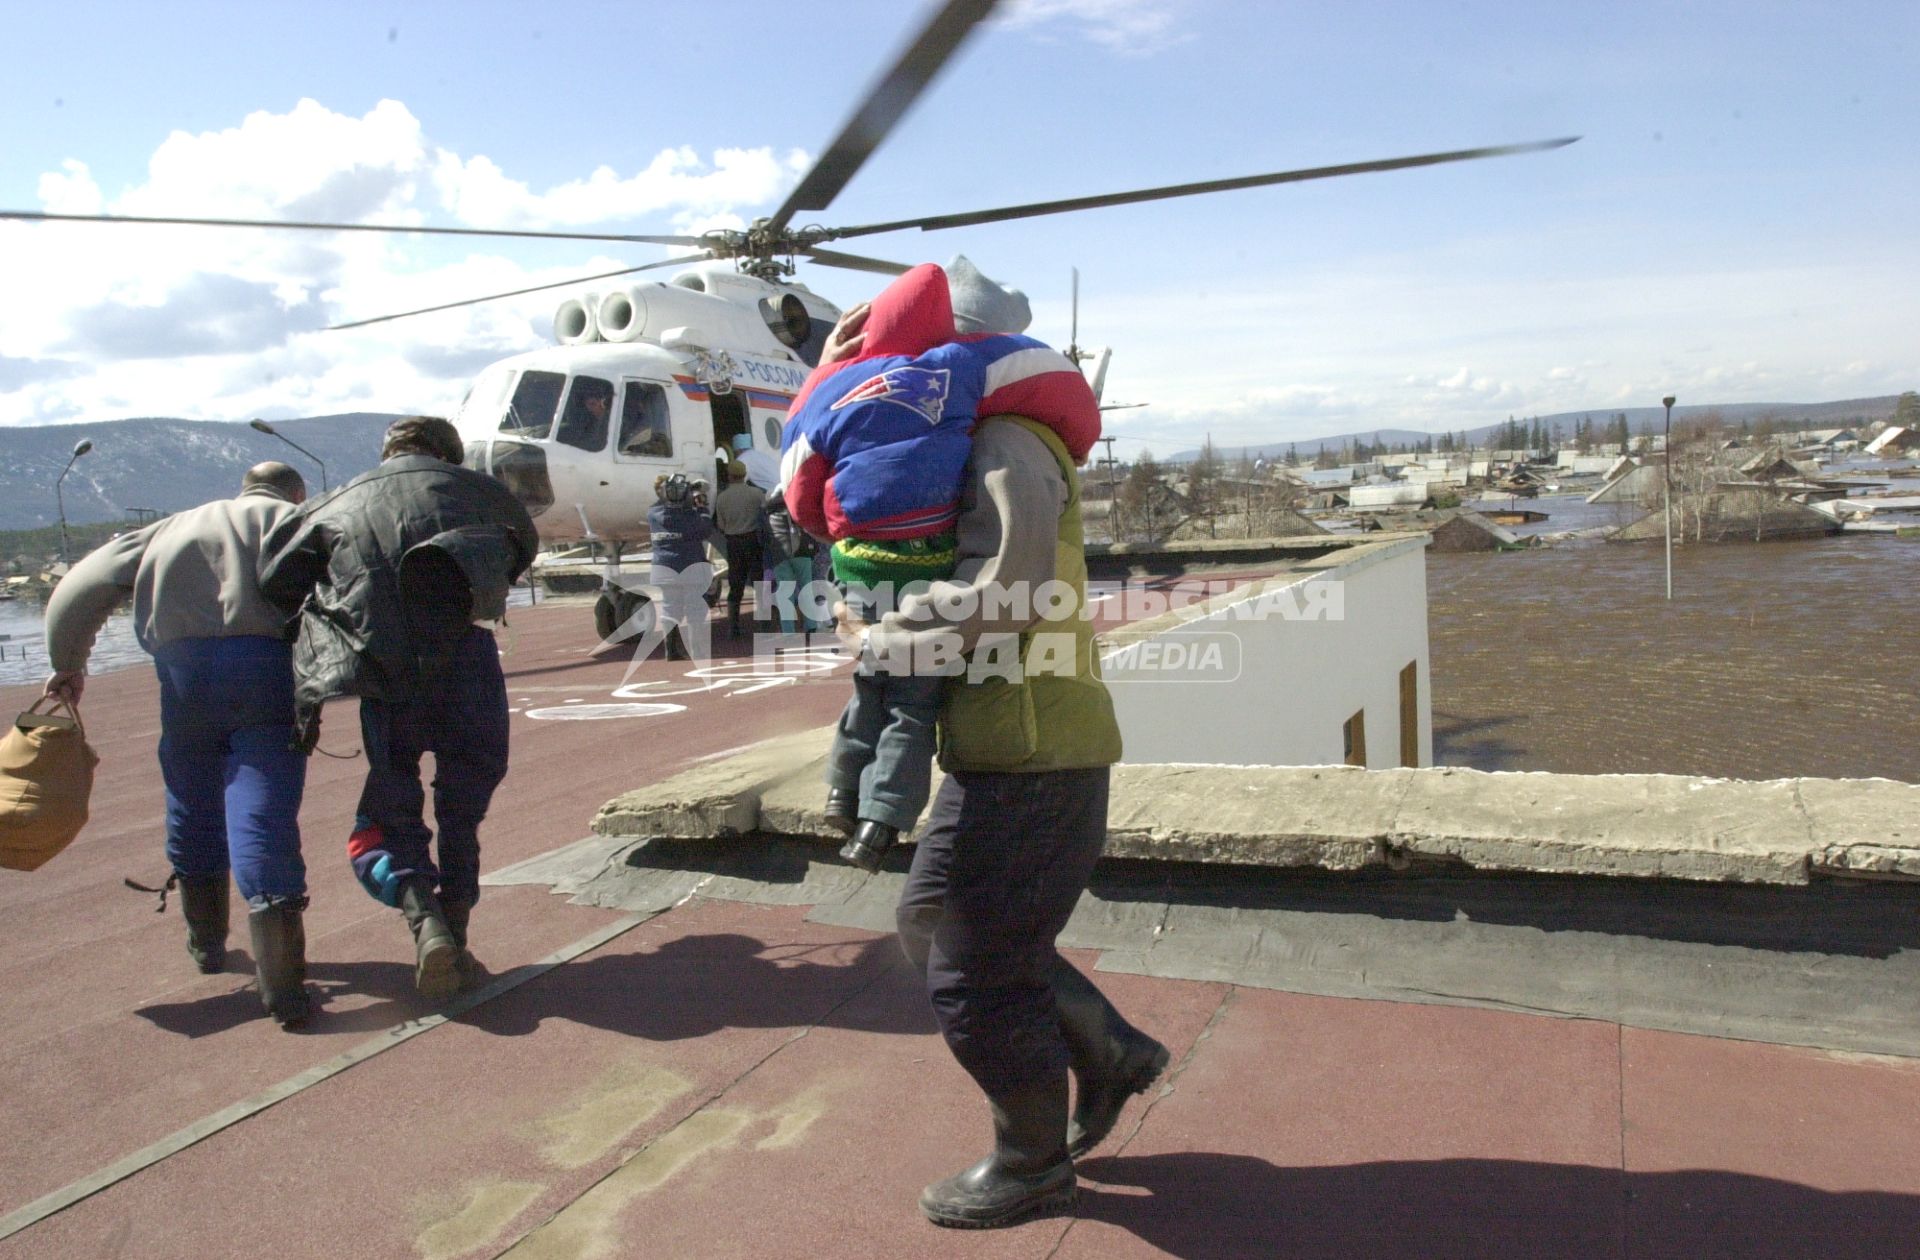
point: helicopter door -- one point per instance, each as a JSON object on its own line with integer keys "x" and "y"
{"x": 646, "y": 424}
{"x": 730, "y": 421}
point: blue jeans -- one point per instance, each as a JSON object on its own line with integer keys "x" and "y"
{"x": 460, "y": 716}
{"x": 790, "y": 578}
{"x": 233, "y": 779}
{"x": 883, "y": 747}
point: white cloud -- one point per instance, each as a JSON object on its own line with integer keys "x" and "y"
{"x": 70, "y": 190}
{"x": 478, "y": 192}
{"x": 1134, "y": 27}
{"x": 222, "y": 323}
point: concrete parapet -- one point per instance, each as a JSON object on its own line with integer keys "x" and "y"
{"x": 1344, "y": 818}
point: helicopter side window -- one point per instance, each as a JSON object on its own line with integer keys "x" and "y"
{"x": 584, "y": 425}
{"x": 645, "y": 430}
{"x": 536, "y": 396}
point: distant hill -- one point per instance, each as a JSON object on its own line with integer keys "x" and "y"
{"x": 1822, "y": 415}
{"x": 166, "y": 464}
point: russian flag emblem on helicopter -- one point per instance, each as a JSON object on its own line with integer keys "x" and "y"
{"x": 918, "y": 389}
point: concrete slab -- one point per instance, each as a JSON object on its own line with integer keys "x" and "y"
{"x": 715, "y": 798}
{"x": 1335, "y": 817}
{"x": 1649, "y": 825}
{"x": 1863, "y": 826}
{"x": 1343, "y": 818}
{"x": 1309, "y": 1127}
{"x": 1767, "y": 1151}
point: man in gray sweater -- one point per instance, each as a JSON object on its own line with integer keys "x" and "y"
{"x": 234, "y": 778}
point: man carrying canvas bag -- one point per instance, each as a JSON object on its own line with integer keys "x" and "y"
{"x": 234, "y": 778}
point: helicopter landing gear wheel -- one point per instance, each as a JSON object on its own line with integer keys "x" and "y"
{"x": 615, "y": 619}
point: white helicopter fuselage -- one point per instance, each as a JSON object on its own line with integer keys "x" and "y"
{"x": 696, "y": 371}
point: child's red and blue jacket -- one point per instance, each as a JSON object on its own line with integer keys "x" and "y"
{"x": 876, "y": 446}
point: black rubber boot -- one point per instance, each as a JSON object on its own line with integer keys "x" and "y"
{"x": 1112, "y": 1060}
{"x": 842, "y": 805}
{"x": 203, "y": 901}
{"x": 677, "y": 646}
{"x": 457, "y": 914}
{"x": 1029, "y": 1169}
{"x": 280, "y": 956}
{"x": 436, "y": 971}
{"x": 870, "y": 844}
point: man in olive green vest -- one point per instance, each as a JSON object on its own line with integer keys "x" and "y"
{"x": 1027, "y": 738}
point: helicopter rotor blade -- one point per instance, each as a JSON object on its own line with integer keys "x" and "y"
{"x": 936, "y": 223}
{"x": 856, "y": 262}
{"x": 37, "y": 216}
{"x": 885, "y": 104}
{"x": 491, "y": 297}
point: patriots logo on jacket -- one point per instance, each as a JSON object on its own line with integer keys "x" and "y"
{"x": 918, "y": 389}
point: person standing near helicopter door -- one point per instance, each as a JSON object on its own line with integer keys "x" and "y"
{"x": 738, "y": 513}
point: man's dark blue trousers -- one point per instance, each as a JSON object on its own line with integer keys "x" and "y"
{"x": 997, "y": 870}
{"x": 460, "y": 716}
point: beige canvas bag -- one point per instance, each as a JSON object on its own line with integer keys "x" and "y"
{"x": 46, "y": 776}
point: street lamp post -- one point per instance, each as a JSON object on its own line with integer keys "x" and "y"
{"x": 1667, "y": 477}
{"x": 270, "y": 431}
{"x": 59, "y": 501}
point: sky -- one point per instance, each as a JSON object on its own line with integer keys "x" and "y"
{"x": 1736, "y": 223}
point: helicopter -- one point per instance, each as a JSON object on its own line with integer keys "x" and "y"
{"x": 649, "y": 378}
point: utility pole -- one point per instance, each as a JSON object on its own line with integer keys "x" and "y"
{"x": 1667, "y": 402}
{"x": 1113, "y": 491}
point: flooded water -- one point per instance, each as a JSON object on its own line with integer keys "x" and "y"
{"x": 1565, "y": 513}
{"x": 23, "y": 647}
{"x": 1774, "y": 659}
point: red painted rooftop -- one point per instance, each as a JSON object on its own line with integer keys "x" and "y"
{"x": 728, "y": 1079}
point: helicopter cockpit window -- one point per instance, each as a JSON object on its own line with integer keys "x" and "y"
{"x": 536, "y": 396}
{"x": 645, "y": 430}
{"x": 588, "y": 407}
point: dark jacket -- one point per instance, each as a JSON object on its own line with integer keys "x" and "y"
{"x": 680, "y": 533}
{"x": 387, "y": 571}
{"x": 781, "y": 539}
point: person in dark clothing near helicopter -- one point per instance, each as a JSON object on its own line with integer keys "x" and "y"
{"x": 396, "y": 578}
{"x": 738, "y": 511}
{"x": 681, "y": 530}
{"x": 788, "y": 552}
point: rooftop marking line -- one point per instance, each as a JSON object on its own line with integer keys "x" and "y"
{"x": 93, "y": 1183}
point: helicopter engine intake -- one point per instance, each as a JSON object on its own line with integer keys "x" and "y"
{"x": 578, "y": 320}
{"x": 623, "y": 314}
